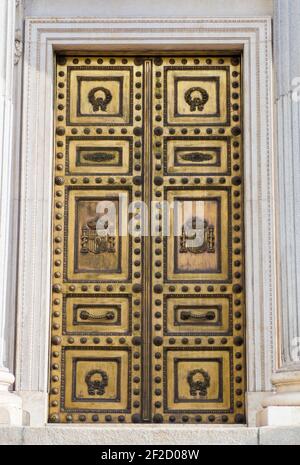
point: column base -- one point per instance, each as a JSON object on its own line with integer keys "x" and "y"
{"x": 279, "y": 416}
{"x": 283, "y": 407}
{"x": 10, "y": 404}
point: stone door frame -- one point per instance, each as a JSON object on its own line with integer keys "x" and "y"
{"x": 43, "y": 37}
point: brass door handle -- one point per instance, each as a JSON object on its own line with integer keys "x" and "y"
{"x": 192, "y": 316}
{"x": 85, "y": 315}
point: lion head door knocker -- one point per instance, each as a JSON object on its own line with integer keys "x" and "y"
{"x": 96, "y": 381}
{"x": 196, "y": 98}
{"x": 100, "y": 102}
{"x": 96, "y": 237}
{"x": 199, "y": 381}
{"x": 197, "y": 236}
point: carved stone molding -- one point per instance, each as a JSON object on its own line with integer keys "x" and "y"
{"x": 18, "y": 47}
{"x": 10, "y": 404}
{"x": 284, "y": 405}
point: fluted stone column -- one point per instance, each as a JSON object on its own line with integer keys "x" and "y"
{"x": 283, "y": 407}
{"x": 10, "y": 403}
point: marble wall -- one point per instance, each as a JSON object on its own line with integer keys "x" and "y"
{"x": 151, "y": 8}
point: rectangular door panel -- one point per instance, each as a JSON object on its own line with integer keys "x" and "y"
{"x": 96, "y": 328}
{"x": 198, "y": 265}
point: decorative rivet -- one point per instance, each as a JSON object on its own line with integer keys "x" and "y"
{"x": 137, "y": 180}
{"x": 157, "y": 418}
{"x": 56, "y": 288}
{"x": 136, "y": 341}
{"x": 158, "y": 180}
{"x": 56, "y": 340}
{"x": 59, "y": 180}
{"x": 158, "y": 131}
{"x": 236, "y": 131}
{"x": 239, "y": 418}
{"x": 235, "y": 61}
{"x": 137, "y": 288}
{"x": 236, "y": 181}
{"x": 138, "y": 61}
{"x": 138, "y": 131}
{"x": 136, "y": 418}
{"x": 158, "y": 289}
{"x": 158, "y": 61}
{"x": 237, "y": 289}
{"x": 60, "y": 131}
{"x": 53, "y": 418}
{"x": 61, "y": 60}
{"x": 238, "y": 341}
{"x": 158, "y": 341}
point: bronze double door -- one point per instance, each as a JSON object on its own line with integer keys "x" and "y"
{"x": 148, "y": 327}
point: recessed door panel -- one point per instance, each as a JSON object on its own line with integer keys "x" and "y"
{"x": 148, "y": 301}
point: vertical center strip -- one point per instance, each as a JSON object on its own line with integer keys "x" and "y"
{"x": 147, "y": 123}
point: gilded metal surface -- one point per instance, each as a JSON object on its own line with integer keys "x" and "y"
{"x": 148, "y": 328}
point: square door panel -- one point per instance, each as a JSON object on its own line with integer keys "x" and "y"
{"x": 97, "y": 256}
{"x": 197, "y": 96}
{"x": 196, "y": 380}
{"x": 197, "y": 248}
{"x": 99, "y": 155}
{"x": 196, "y": 155}
{"x": 94, "y": 314}
{"x": 197, "y": 315}
{"x": 96, "y": 379}
{"x": 100, "y": 95}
